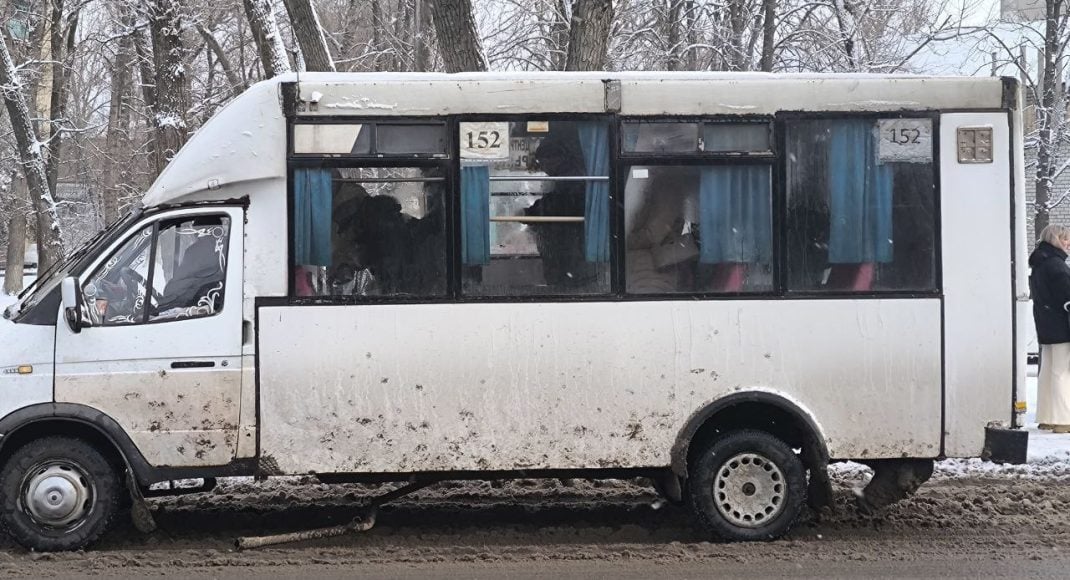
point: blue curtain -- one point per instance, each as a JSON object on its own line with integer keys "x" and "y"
{"x": 735, "y": 217}
{"x": 312, "y": 217}
{"x": 475, "y": 215}
{"x": 594, "y": 141}
{"x": 860, "y": 196}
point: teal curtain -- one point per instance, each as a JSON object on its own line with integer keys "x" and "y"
{"x": 594, "y": 140}
{"x": 735, "y": 217}
{"x": 860, "y": 196}
{"x": 475, "y": 215}
{"x": 312, "y": 217}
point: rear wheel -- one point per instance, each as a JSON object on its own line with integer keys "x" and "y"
{"x": 58, "y": 493}
{"x": 747, "y": 485}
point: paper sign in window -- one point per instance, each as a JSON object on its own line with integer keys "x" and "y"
{"x": 484, "y": 140}
{"x": 905, "y": 140}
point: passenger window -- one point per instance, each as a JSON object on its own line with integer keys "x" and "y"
{"x": 535, "y": 207}
{"x": 698, "y": 229}
{"x": 697, "y": 137}
{"x": 187, "y": 276}
{"x": 860, "y": 196}
{"x": 374, "y": 139}
{"x": 369, "y": 231}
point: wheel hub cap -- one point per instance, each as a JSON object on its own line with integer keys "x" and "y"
{"x": 57, "y": 495}
{"x": 749, "y": 490}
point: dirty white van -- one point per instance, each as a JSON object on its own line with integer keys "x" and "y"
{"x": 721, "y": 282}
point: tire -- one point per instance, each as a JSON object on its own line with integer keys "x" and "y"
{"x": 77, "y": 494}
{"x": 747, "y": 486}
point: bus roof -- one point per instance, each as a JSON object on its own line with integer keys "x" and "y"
{"x": 245, "y": 142}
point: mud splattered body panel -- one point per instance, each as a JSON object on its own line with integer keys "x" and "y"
{"x": 397, "y": 388}
{"x": 175, "y": 385}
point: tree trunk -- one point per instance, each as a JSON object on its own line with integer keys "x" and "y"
{"x": 50, "y": 240}
{"x": 62, "y": 47}
{"x": 458, "y": 40}
{"x": 377, "y": 35}
{"x": 421, "y": 24}
{"x": 588, "y": 37}
{"x": 737, "y": 21}
{"x": 309, "y": 34}
{"x": 236, "y": 85}
{"x": 559, "y": 35}
{"x": 143, "y": 50}
{"x": 117, "y": 143}
{"x": 265, "y": 28}
{"x": 16, "y": 239}
{"x": 848, "y": 30}
{"x": 692, "y": 53}
{"x": 172, "y": 84}
{"x": 673, "y": 26}
{"x": 768, "y": 34}
{"x": 1049, "y": 116}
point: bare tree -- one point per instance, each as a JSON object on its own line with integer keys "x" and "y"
{"x": 588, "y": 37}
{"x": 309, "y": 33}
{"x": 16, "y": 237}
{"x": 49, "y": 234}
{"x": 768, "y": 34}
{"x": 261, "y": 15}
{"x": 1051, "y": 111}
{"x": 117, "y": 138}
{"x": 172, "y": 85}
{"x": 457, "y": 38}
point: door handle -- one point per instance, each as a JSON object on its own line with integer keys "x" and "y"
{"x": 192, "y": 364}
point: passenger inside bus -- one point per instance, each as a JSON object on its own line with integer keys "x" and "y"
{"x": 561, "y": 245}
{"x": 379, "y": 242}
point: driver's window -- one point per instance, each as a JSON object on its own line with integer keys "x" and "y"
{"x": 115, "y": 293}
{"x": 187, "y": 276}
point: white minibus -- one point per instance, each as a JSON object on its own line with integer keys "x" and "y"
{"x": 721, "y": 282}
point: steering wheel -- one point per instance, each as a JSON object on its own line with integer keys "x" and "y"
{"x": 133, "y": 279}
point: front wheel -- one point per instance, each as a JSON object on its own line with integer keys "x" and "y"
{"x": 747, "y": 485}
{"x": 57, "y": 494}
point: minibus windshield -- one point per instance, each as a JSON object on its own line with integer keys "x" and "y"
{"x": 50, "y": 278}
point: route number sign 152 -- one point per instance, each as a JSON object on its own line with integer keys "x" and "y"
{"x": 905, "y": 140}
{"x": 484, "y": 140}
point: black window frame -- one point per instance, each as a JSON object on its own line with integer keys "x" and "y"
{"x": 130, "y": 233}
{"x": 781, "y": 209}
{"x": 373, "y": 123}
{"x": 702, "y": 121}
{"x": 446, "y": 164}
{"x": 616, "y": 207}
{"x": 701, "y": 159}
{"x": 620, "y": 163}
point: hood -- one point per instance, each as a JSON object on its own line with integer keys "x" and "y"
{"x": 1043, "y": 252}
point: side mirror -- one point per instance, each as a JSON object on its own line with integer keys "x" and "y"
{"x": 72, "y": 303}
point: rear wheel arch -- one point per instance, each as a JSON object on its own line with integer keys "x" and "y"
{"x": 755, "y": 410}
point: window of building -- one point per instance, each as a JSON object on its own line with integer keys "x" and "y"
{"x": 535, "y": 207}
{"x": 369, "y": 231}
{"x": 183, "y": 261}
{"x": 860, "y": 205}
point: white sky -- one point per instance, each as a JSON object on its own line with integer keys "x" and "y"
{"x": 971, "y": 54}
